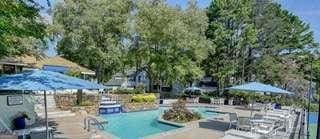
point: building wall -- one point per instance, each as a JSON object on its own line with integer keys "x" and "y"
{"x": 142, "y": 78}
{"x": 8, "y": 113}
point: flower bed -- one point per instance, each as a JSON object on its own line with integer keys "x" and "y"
{"x": 180, "y": 114}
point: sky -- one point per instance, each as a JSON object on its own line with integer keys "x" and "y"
{"x": 307, "y": 10}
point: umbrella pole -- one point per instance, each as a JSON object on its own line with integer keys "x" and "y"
{"x": 46, "y": 114}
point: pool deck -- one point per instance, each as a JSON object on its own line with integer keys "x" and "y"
{"x": 73, "y": 128}
{"x": 214, "y": 128}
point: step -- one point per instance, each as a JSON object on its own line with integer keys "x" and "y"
{"x": 110, "y": 106}
{"x": 108, "y": 102}
{"x": 105, "y": 99}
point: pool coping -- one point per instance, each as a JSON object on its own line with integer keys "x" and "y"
{"x": 161, "y": 120}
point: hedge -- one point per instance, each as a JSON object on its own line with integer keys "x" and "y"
{"x": 144, "y": 98}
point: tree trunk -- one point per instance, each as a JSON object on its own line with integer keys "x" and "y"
{"x": 79, "y": 96}
{"x": 99, "y": 73}
{"x": 150, "y": 80}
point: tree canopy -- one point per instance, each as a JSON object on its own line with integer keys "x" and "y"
{"x": 234, "y": 41}
{"x": 21, "y": 28}
{"x": 256, "y": 40}
{"x": 93, "y": 32}
{"x": 171, "y": 41}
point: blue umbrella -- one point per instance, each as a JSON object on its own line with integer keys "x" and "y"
{"x": 44, "y": 80}
{"x": 39, "y": 80}
{"x": 259, "y": 87}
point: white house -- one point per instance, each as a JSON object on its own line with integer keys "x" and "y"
{"x": 128, "y": 80}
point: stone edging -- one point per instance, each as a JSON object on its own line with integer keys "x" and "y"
{"x": 170, "y": 132}
{"x": 161, "y": 120}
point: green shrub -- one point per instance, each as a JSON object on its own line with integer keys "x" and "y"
{"x": 314, "y": 107}
{"x": 127, "y": 91}
{"x": 140, "y": 88}
{"x": 150, "y": 98}
{"x": 144, "y": 98}
{"x": 86, "y": 103}
{"x": 204, "y": 99}
{"x": 137, "y": 98}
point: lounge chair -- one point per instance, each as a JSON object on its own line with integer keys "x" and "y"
{"x": 257, "y": 116}
{"x": 244, "y": 123}
{"x": 233, "y": 117}
{"x": 237, "y": 134}
{"x": 267, "y": 130}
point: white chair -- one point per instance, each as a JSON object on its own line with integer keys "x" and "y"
{"x": 237, "y": 134}
{"x": 221, "y": 101}
{"x": 211, "y": 100}
{"x": 233, "y": 117}
{"x": 215, "y": 101}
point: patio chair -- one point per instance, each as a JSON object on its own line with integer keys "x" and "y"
{"x": 267, "y": 130}
{"x": 196, "y": 100}
{"x": 244, "y": 124}
{"x": 257, "y": 116}
{"x": 221, "y": 101}
{"x": 211, "y": 100}
{"x": 233, "y": 117}
{"x": 230, "y": 102}
{"x": 216, "y": 101}
{"x": 237, "y": 134}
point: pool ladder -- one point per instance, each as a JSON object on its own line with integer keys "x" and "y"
{"x": 89, "y": 120}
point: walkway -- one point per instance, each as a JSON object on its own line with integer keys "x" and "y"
{"x": 72, "y": 128}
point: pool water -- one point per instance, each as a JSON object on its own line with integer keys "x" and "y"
{"x": 136, "y": 125}
{"x": 204, "y": 112}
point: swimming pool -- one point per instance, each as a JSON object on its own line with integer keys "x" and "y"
{"x": 137, "y": 125}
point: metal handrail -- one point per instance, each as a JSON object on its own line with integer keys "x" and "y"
{"x": 88, "y": 121}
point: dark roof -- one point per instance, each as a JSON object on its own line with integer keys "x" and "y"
{"x": 128, "y": 73}
{"x": 115, "y": 82}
